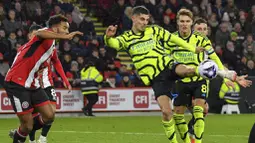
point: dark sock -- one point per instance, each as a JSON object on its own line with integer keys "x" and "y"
{"x": 19, "y": 136}
{"x": 252, "y": 135}
{"x": 45, "y": 130}
{"x": 32, "y": 135}
{"x": 191, "y": 124}
{"x": 38, "y": 122}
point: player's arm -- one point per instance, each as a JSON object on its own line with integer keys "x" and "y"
{"x": 46, "y": 34}
{"x": 58, "y": 66}
{"x": 114, "y": 42}
{"x": 169, "y": 38}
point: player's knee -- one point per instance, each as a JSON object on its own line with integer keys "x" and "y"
{"x": 179, "y": 110}
{"x": 184, "y": 71}
{"x": 27, "y": 127}
{"x": 167, "y": 113}
{"x": 49, "y": 118}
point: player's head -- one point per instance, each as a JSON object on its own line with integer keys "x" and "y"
{"x": 184, "y": 20}
{"x": 140, "y": 18}
{"x": 33, "y": 28}
{"x": 59, "y": 24}
{"x": 200, "y": 25}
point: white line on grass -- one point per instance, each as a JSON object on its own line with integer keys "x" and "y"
{"x": 132, "y": 133}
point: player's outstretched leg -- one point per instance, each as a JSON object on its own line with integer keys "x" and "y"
{"x": 167, "y": 120}
{"x": 199, "y": 124}
{"x": 181, "y": 123}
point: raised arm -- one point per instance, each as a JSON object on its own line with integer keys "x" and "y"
{"x": 109, "y": 40}
{"x": 46, "y": 34}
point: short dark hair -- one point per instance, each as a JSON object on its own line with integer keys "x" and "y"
{"x": 34, "y": 27}
{"x": 140, "y": 10}
{"x": 200, "y": 20}
{"x": 56, "y": 19}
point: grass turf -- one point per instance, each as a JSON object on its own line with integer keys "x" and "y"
{"x": 142, "y": 129}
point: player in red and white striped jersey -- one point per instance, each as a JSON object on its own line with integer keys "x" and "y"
{"x": 44, "y": 80}
{"x": 20, "y": 80}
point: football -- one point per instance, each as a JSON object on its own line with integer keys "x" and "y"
{"x": 208, "y": 69}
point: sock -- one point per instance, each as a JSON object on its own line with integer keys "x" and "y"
{"x": 252, "y": 135}
{"x": 191, "y": 124}
{"x": 199, "y": 123}
{"x": 45, "y": 130}
{"x": 182, "y": 127}
{"x": 32, "y": 135}
{"x": 38, "y": 122}
{"x": 19, "y": 136}
{"x": 170, "y": 130}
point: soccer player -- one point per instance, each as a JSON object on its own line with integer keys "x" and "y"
{"x": 195, "y": 86}
{"x": 146, "y": 45}
{"x": 20, "y": 83}
{"x": 46, "y": 82}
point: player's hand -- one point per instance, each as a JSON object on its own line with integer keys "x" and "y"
{"x": 72, "y": 34}
{"x": 111, "y": 31}
{"x": 69, "y": 88}
{"x": 200, "y": 49}
{"x": 230, "y": 84}
{"x": 241, "y": 80}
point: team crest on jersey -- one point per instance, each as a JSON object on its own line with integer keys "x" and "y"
{"x": 25, "y": 105}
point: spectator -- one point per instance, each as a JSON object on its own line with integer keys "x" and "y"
{"x": 20, "y": 37}
{"x": 236, "y": 42}
{"x": 39, "y": 18}
{"x": 56, "y": 10}
{"x": 213, "y": 23}
{"x": 30, "y": 8}
{"x": 74, "y": 74}
{"x": 12, "y": 39}
{"x": 81, "y": 62}
{"x": 126, "y": 20}
{"x": 250, "y": 68}
{"x": 77, "y": 16}
{"x": 222, "y": 35}
{"x": 110, "y": 82}
{"x": 66, "y": 63}
{"x": 73, "y": 25}
{"x": 66, "y": 6}
{"x": 133, "y": 3}
{"x": 230, "y": 56}
{"x": 232, "y": 10}
{"x": 117, "y": 12}
{"x": 2, "y": 13}
{"x": 10, "y": 24}
{"x": 174, "y": 5}
{"x": 170, "y": 14}
{"x": 246, "y": 26}
{"x": 150, "y": 7}
{"x": 126, "y": 82}
{"x": 218, "y": 9}
{"x": 78, "y": 48}
{"x": 47, "y": 7}
{"x": 240, "y": 33}
{"x": 20, "y": 15}
{"x": 249, "y": 48}
{"x": 168, "y": 25}
{"x": 160, "y": 10}
{"x": 87, "y": 27}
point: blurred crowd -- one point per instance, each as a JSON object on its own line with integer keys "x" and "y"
{"x": 231, "y": 30}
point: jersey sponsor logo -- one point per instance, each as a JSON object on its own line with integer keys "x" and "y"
{"x": 25, "y": 104}
{"x": 5, "y": 102}
{"x": 102, "y": 100}
{"x": 143, "y": 46}
{"x": 184, "y": 56}
{"x": 141, "y": 99}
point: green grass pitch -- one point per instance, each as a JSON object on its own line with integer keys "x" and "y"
{"x": 131, "y": 129}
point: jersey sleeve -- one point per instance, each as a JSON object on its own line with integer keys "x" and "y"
{"x": 169, "y": 38}
{"x": 58, "y": 66}
{"x": 206, "y": 43}
{"x": 117, "y": 43}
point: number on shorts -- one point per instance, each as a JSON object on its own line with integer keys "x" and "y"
{"x": 53, "y": 93}
{"x": 204, "y": 88}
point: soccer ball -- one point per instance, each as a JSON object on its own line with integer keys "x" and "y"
{"x": 208, "y": 69}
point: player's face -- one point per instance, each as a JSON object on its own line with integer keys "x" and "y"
{"x": 63, "y": 28}
{"x": 140, "y": 21}
{"x": 202, "y": 28}
{"x": 184, "y": 24}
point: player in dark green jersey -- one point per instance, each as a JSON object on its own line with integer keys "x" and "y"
{"x": 147, "y": 47}
{"x": 194, "y": 86}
